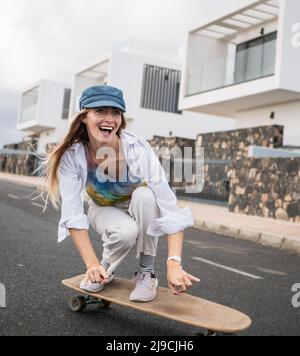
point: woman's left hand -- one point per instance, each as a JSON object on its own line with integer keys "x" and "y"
{"x": 179, "y": 281}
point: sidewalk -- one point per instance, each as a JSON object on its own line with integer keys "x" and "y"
{"x": 217, "y": 219}
{"x": 269, "y": 232}
{"x": 23, "y": 180}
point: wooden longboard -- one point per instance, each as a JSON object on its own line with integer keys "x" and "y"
{"x": 185, "y": 309}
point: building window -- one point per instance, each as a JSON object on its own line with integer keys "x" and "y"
{"x": 66, "y": 104}
{"x": 161, "y": 89}
{"x": 255, "y": 58}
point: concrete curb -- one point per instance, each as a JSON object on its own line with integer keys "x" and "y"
{"x": 283, "y": 243}
{"x": 31, "y": 182}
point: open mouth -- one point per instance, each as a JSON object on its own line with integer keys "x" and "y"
{"x": 106, "y": 130}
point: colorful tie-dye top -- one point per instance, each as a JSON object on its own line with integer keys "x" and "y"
{"x": 110, "y": 192}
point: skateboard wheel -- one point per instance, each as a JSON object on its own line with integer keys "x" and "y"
{"x": 105, "y": 303}
{"x": 77, "y": 304}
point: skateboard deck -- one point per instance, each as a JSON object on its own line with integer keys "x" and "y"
{"x": 186, "y": 309}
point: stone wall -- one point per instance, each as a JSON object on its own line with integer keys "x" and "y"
{"x": 24, "y": 164}
{"x": 171, "y": 142}
{"x": 221, "y": 149}
{"x": 267, "y": 187}
{"x": 230, "y": 145}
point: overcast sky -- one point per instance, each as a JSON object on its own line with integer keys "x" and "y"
{"x": 47, "y": 38}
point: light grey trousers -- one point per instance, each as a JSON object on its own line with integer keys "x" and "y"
{"x": 124, "y": 226}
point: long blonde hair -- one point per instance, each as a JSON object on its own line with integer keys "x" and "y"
{"x": 50, "y": 163}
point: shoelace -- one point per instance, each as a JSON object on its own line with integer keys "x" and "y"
{"x": 139, "y": 278}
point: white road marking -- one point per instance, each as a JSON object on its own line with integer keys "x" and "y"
{"x": 227, "y": 268}
{"x": 14, "y": 197}
{"x": 38, "y": 205}
{"x": 270, "y": 271}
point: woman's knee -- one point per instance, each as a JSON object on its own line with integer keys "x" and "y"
{"x": 125, "y": 236}
{"x": 144, "y": 194}
{"x": 130, "y": 236}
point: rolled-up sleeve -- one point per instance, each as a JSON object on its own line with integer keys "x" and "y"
{"x": 173, "y": 219}
{"x": 72, "y": 198}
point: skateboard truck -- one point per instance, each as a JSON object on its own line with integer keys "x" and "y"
{"x": 79, "y": 303}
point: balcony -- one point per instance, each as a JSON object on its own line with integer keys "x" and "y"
{"x": 29, "y": 121}
{"x": 96, "y": 74}
{"x": 245, "y": 65}
{"x": 41, "y": 106}
{"x": 28, "y": 114}
{"x": 242, "y": 61}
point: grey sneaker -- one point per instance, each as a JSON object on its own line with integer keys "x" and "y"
{"x": 95, "y": 287}
{"x": 145, "y": 288}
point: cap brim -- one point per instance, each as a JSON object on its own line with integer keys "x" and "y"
{"x": 102, "y": 103}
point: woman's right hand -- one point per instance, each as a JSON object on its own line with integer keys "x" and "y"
{"x": 96, "y": 274}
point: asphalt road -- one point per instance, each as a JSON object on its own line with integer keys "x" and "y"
{"x": 254, "y": 279}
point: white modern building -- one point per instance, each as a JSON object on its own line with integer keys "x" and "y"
{"x": 149, "y": 76}
{"x": 246, "y": 66}
{"x": 44, "y": 110}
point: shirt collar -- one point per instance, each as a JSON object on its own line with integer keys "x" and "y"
{"x": 126, "y": 137}
{"x": 130, "y": 137}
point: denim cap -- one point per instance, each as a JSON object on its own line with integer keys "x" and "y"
{"x": 102, "y": 95}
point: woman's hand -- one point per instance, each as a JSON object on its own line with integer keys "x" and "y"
{"x": 179, "y": 281}
{"x": 96, "y": 274}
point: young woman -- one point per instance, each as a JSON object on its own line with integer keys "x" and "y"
{"x": 130, "y": 200}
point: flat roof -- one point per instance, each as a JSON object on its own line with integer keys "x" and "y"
{"x": 259, "y": 12}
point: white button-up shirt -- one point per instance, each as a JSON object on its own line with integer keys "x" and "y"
{"x": 143, "y": 164}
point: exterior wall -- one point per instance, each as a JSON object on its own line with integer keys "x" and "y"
{"x": 288, "y": 62}
{"x": 52, "y": 136}
{"x": 49, "y": 106}
{"x": 286, "y": 115}
{"x": 127, "y": 73}
{"x": 268, "y": 187}
{"x": 48, "y": 115}
{"x": 51, "y": 102}
{"x": 80, "y": 83}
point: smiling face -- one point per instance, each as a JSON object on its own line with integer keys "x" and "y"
{"x": 103, "y": 124}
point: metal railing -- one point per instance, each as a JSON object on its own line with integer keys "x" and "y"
{"x": 216, "y": 183}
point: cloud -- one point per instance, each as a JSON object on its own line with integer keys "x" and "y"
{"x": 53, "y": 38}
{"x": 40, "y": 38}
{"x": 8, "y": 118}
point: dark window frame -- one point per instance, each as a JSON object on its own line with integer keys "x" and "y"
{"x": 66, "y": 104}
{"x": 260, "y": 40}
{"x": 160, "y": 89}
